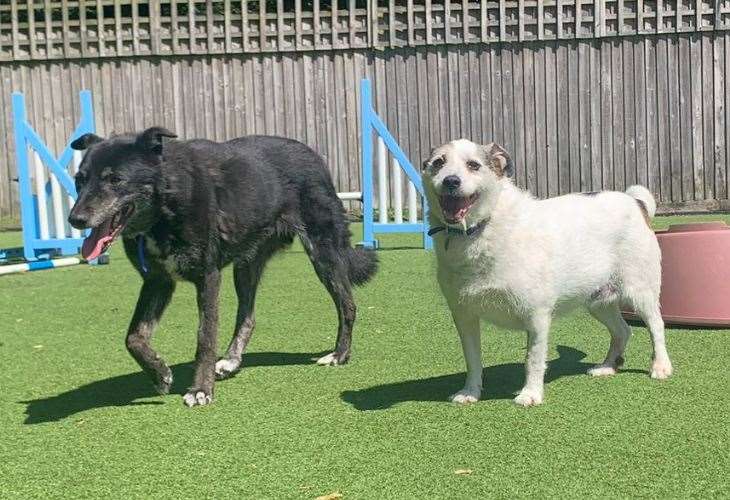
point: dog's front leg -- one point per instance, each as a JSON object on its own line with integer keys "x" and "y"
{"x": 536, "y": 360}
{"x": 468, "y": 327}
{"x": 153, "y": 299}
{"x": 201, "y": 393}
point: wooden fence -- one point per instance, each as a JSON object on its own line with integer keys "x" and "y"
{"x": 586, "y": 95}
{"x": 64, "y": 29}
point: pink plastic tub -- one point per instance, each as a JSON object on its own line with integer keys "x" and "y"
{"x": 695, "y": 274}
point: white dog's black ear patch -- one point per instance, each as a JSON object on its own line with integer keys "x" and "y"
{"x": 499, "y": 160}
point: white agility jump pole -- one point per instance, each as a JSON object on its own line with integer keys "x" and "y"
{"x": 40, "y": 265}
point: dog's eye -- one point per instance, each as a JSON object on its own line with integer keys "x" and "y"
{"x": 473, "y": 165}
{"x": 437, "y": 163}
{"x": 114, "y": 178}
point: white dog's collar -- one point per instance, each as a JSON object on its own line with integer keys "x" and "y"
{"x": 470, "y": 231}
{"x": 455, "y": 230}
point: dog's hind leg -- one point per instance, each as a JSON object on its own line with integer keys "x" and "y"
{"x": 332, "y": 272}
{"x": 536, "y": 360}
{"x": 647, "y": 307}
{"x": 207, "y": 288}
{"x": 246, "y": 277}
{"x": 610, "y": 316}
{"x": 153, "y": 298}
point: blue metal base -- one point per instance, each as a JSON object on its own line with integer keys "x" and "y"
{"x": 370, "y": 245}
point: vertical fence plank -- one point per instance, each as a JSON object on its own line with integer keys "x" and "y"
{"x": 335, "y": 22}
{"x": 263, "y": 26}
{"x": 135, "y": 27}
{"x": 465, "y": 21}
{"x": 584, "y": 116}
{"x": 210, "y": 38}
{"x": 640, "y": 86}
{"x": 607, "y": 112}
{"x": 317, "y": 27}
{"x": 280, "y": 25}
{"x": 708, "y": 132}
{"x": 32, "y": 41}
{"x": 411, "y": 27}
{"x": 573, "y": 102}
{"x": 245, "y": 29}
{"x": 596, "y": 117}
{"x": 429, "y": 23}
{"x": 65, "y": 33}
{"x": 391, "y": 24}
{"x": 228, "y": 41}
{"x": 155, "y": 24}
{"x": 447, "y": 21}
{"x": 49, "y": 28}
{"x": 503, "y": 20}
{"x": 484, "y": 20}
{"x": 719, "y": 156}
{"x": 629, "y": 105}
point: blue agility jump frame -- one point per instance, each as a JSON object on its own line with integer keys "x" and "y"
{"x": 371, "y": 122}
{"x": 34, "y": 247}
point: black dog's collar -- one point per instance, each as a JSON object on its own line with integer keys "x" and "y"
{"x": 470, "y": 231}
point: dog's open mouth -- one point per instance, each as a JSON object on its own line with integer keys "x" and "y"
{"x": 103, "y": 235}
{"x": 455, "y": 208}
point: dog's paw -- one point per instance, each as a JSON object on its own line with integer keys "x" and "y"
{"x": 661, "y": 369}
{"x": 602, "y": 371}
{"x": 163, "y": 384}
{"x": 528, "y": 397}
{"x": 466, "y": 396}
{"x": 197, "y": 397}
{"x": 225, "y": 368}
{"x": 333, "y": 359}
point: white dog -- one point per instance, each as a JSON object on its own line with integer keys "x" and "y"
{"x": 516, "y": 262}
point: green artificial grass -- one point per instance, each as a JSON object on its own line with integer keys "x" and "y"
{"x": 79, "y": 420}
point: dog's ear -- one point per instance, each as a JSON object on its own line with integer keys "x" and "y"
{"x": 85, "y": 142}
{"x": 151, "y": 139}
{"x": 499, "y": 160}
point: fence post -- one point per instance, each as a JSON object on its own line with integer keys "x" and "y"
{"x": 366, "y": 108}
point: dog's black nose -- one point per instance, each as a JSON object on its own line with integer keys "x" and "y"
{"x": 79, "y": 221}
{"x": 452, "y": 182}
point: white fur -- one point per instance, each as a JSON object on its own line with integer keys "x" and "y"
{"x": 226, "y": 367}
{"x": 328, "y": 360}
{"x": 536, "y": 259}
{"x": 197, "y": 398}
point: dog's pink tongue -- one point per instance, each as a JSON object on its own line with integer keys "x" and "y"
{"x": 454, "y": 207}
{"x": 95, "y": 242}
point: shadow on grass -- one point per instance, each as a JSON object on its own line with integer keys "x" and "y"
{"x": 124, "y": 390}
{"x": 500, "y": 382}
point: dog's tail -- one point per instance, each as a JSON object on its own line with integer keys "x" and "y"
{"x": 644, "y": 196}
{"x": 361, "y": 264}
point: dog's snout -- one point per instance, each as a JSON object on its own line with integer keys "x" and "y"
{"x": 78, "y": 220}
{"x": 452, "y": 182}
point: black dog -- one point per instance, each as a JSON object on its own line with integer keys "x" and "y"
{"x": 186, "y": 209}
